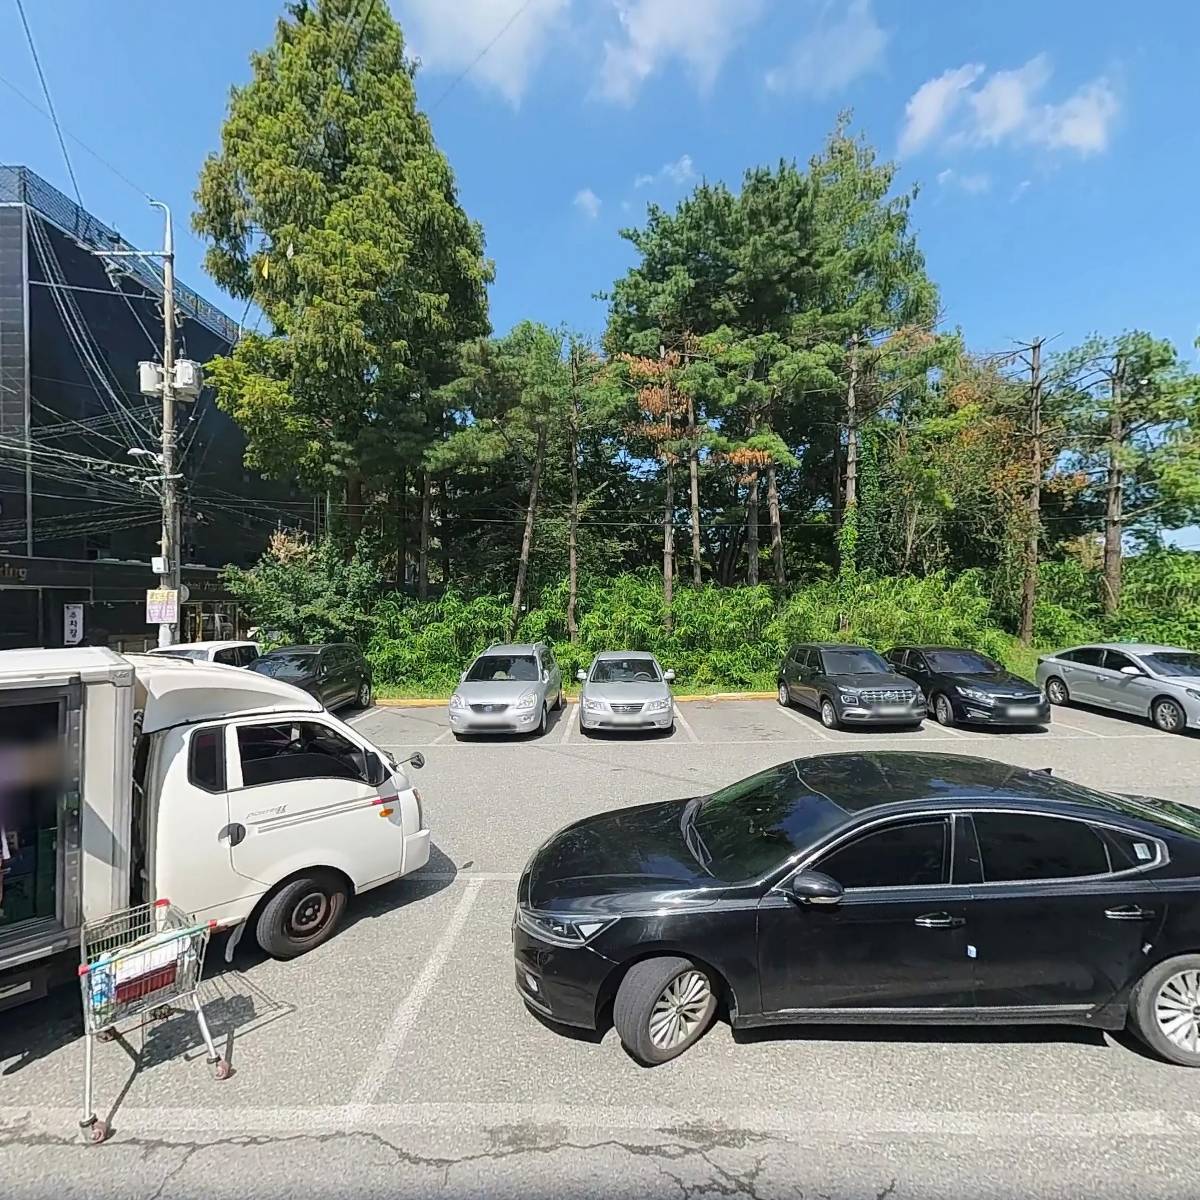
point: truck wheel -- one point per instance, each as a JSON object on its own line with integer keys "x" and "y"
{"x": 301, "y": 913}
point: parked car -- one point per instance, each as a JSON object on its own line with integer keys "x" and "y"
{"x": 891, "y": 887}
{"x": 625, "y": 689}
{"x": 232, "y": 654}
{"x": 1159, "y": 682}
{"x": 848, "y": 684}
{"x": 964, "y": 686}
{"x": 335, "y": 674}
{"x": 507, "y": 689}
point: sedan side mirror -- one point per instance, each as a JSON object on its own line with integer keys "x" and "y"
{"x": 814, "y": 887}
{"x": 1130, "y": 670}
{"x": 581, "y": 675}
{"x": 669, "y": 676}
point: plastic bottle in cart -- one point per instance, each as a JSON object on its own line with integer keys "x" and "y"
{"x": 103, "y": 990}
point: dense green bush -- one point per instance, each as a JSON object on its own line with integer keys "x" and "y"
{"x": 722, "y": 638}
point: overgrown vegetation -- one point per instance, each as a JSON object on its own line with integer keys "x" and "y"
{"x": 721, "y": 638}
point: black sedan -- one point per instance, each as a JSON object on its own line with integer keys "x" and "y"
{"x": 874, "y": 888}
{"x": 848, "y": 685}
{"x": 966, "y": 687}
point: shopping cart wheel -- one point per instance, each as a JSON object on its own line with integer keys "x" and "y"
{"x": 96, "y": 1132}
{"x": 106, "y": 1035}
{"x": 222, "y": 1070}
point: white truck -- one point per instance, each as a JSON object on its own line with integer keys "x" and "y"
{"x": 127, "y": 779}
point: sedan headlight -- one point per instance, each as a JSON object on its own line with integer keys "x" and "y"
{"x": 528, "y": 700}
{"x": 977, "y": 694}
{"x": 658, "y": 705}
{"x": 457, "y": 702}
{"x": 561, "y": 931}
{"x": 593, "y": 705}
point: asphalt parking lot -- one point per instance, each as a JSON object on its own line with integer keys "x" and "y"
{"x": 398, "y": 1058}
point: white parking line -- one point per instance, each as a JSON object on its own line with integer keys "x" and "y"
{"x": 683, "y": 721}
{"x": 1057, "y": 720}
{"x": 959, "y": 733}
{"x": 370, "y": 712}
{"x": 441, "y": 737}
{"x": 569, "y": 720}
{"x": 409, "y": 1009}
{"x": 811, "y": 726}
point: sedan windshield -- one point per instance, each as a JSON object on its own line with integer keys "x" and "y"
{"x": 960, "y": 662}
{"x": 510, "y": 667}
{"x": 1177, "y": 662}
{"x": 285, "y": 666}
{"x": 625, "y": 670}
{"x": 853, "y": 662}
{"x": 752, "y": 826}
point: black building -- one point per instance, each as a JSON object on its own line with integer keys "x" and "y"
{"x": 78, "y": 524}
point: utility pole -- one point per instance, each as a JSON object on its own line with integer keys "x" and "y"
{"x": 1034, "y": 502}
{"x": 171, "y": 548}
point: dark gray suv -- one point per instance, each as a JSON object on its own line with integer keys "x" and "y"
{"x": 848, "y": 685}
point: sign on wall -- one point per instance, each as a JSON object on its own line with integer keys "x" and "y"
{"x": 162, "y": 606}
{"x": 72, "y": 624}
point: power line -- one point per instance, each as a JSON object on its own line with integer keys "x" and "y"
{"x": 479, "y": 57}
{"x": 37, "y": 62}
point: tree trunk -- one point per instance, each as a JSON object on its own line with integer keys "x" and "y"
{"x": 535, "y": 479}
{"x": 1114, "y": 497}
{"x": 402, "y": 527}
{"x": 852, "y": 430}
{"x": 752, "y": 531}
{"x": 423, "y": 556}
{"x": 572, "y": 528}
{"x": 443, "y": 531}
{"x": 1034, "y": 503}
{"x": 776, "y": 525}
{"x": 694, "y": 484}
{"x": 354, "y": 507}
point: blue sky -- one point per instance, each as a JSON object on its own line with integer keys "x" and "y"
{"x": 1056, "y": 144}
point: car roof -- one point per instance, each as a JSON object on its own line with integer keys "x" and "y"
{"x": 510, "y": 648}
{"x": 215, "y": 645}
{"x": 610, "y": 654}
{"x": 858, "y": 782}
{"x": 833, "y": 646}
{"x": 1129, "y": 647}
{"x": 311, "y": 648}
{"x": 926, "y": 649}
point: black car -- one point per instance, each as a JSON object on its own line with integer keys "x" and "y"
{"x": 869, "y": 887}
{"x": 848, "y": 684}
{"x": 335, "y": 674}
{"x": 964, "y": 686}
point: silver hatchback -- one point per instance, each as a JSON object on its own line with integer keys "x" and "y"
{"x": 507, "y": 689}
{"x": 1158, "y": 682}
{"x": 626, "y": 689}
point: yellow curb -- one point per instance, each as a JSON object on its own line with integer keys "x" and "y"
{"x": 434, "y": 702}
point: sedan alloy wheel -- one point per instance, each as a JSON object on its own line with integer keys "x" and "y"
{"x": 943, "y": 710}
{"x": 1056, "y": 692}
{"x": 1177, "y": 1010}
{"x": 662, "y": 1006}
{"x": 829, "y": 717}
{"x": 1168, "y": 716}
{"x": 784, "y": 698}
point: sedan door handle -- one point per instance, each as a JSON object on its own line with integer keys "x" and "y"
{"x": 939, "y": 920}
{"x": 1129, "y": 912}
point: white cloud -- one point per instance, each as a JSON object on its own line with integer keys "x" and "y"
{"x": 1007, "y": 109}
{"x": 933, "y": 103}
{"x": 448, "y": 35}
{"x": 1020, "y": 190}
{"x": 700, "y": 33}
{"x": 588, "y": 203}
{"x": 846, "y": 43}
{"x": 974, "y": 183}
{"x": 681, "y": 171}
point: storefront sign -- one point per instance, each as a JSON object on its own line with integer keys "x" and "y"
{"x": 72, "y": 624}
{"x": 162, "y": 606}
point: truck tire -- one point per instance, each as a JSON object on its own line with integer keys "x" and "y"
{"x": 301, "y": 914}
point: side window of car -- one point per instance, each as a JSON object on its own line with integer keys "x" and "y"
{"x": 248, "y": 655}
{"x": 1020, "y": 847}
{"x": 228, "y": 656}
{"x": 1128, "y": 851}
{"x": 803, "y": 658}
{"x": 909, "y": 854}
{"x": 1114, "y": 660}
{"x": 1089, "y": 656}
{"x": 900, "y": 658}
{"x": 206, "y": 759}
{"x": 916, "y": 662}
{"x": 295, "y": 750}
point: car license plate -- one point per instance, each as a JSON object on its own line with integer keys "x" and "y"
{"x": 1023, "y": 710}
{"x": 892, "y": 710}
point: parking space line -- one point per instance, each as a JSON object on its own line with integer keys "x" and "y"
{"x": 576, "y": 714}
{"x": 683, "y": 721}
{"x": 362, "y": 716}
{"x": 809, "y": 725}
{"x": 959, "y": 733}
{"x": 1057, "y": 719}
{"x": 409, "y": 1009}
{"x": 441, "y": 737}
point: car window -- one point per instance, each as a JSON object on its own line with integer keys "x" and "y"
{"x": 247, "y": 655}
{"x": 1018, "y": 847}
{"x": 191, "y": 655}
{"x": 917, "y": 661}
{"x": 901, "y": 658}
{"x": 961, "y": 662}
{"x": 1114, "y": 660}
{"x": 857, "y": 660}
{"x": 509, "y": 667}
{"x": 640, "y": 669}
{"x": 1183, "y": 663}
{"x": 293, "y": 750}
{"x": 802, "y": 658}
{"x": 1129, "y": 851}
{"x": 229, "y": 656}
{"x": 206, "y": 759}
{"x": 1091, "y": 656}
{"x": 911, "y": 854}
{"x": 285, "y": 665}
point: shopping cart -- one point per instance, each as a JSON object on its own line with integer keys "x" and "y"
{"x": 142, "y": 962}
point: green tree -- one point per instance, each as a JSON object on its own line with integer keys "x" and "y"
{"x": 330, "y": 207}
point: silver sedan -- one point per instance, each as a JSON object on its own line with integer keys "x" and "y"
{"x": 626, "y": 689}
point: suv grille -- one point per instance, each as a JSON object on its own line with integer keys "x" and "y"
{"x": 885, "y": 696}
{"x": 627, "y": 709}
{"x": 489, "y": 708}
